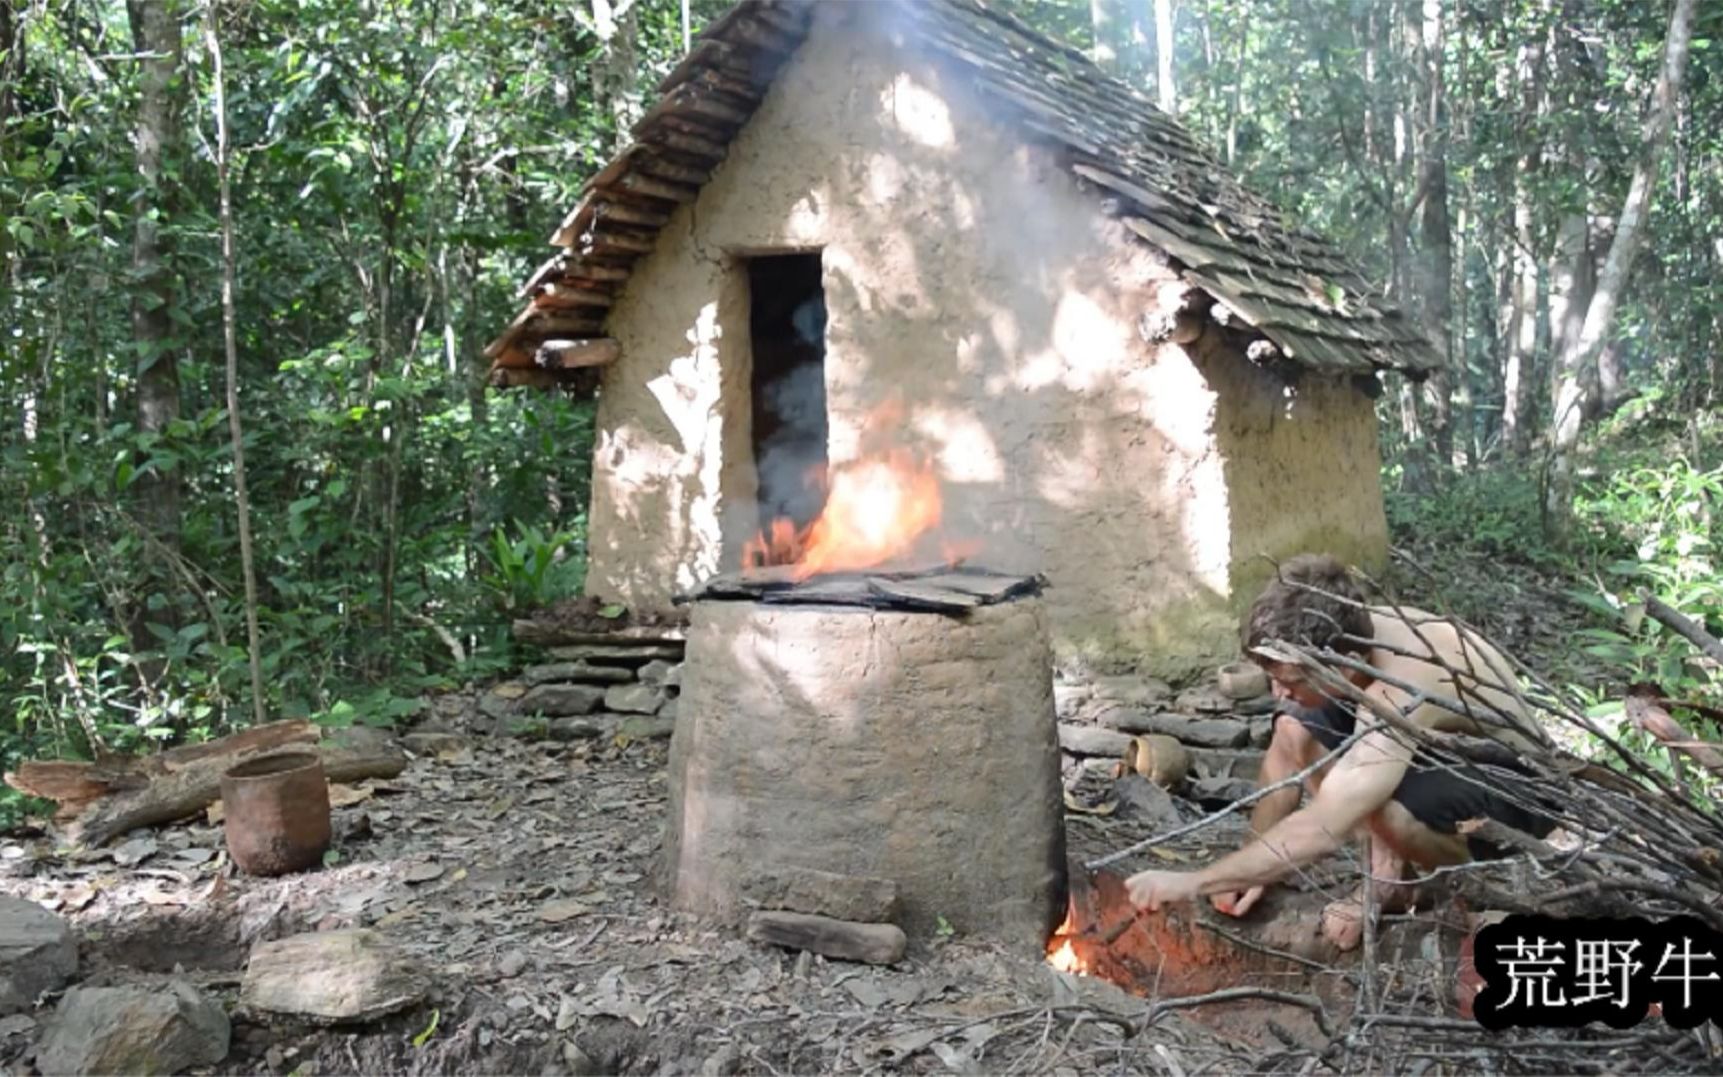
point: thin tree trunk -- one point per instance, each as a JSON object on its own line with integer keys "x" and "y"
{"x": 1582, "y": 351}
{"x": 157, "y": 38}
{"x": 1236, "y": 102}
{"x": 1164, "y": 51}
{"x": 231, "y": 345}
{"x": 1101, "y": 24}
{"x": 1436, "y": 228}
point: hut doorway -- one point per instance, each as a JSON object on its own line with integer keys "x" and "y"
{"x": 787, "y": 325}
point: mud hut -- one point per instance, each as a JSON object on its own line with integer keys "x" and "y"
{"x": 844, "y": 228}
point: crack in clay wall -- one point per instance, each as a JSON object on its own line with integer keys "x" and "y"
{"x": 968, "y": 277}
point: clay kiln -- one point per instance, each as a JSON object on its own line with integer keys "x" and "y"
{"x": 897, "y": 727}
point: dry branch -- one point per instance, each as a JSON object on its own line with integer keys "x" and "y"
{"x": 1684, "y": 626}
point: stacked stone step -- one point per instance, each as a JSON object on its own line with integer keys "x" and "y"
{"x": 596, "y": 685}
{"x": 1223, "y": 724}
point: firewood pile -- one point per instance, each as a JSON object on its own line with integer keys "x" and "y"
{"x": 1633, "y": 843}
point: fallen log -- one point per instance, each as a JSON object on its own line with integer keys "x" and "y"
{"x": 76, "y": 785}
{"x": 117, "y": 795}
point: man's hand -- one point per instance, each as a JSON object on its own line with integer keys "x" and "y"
{"x": 1152, "y": 889}
{"x": 1237, "y": 902}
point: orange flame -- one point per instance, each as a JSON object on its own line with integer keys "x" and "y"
{"x": 1061, "y": 954}
{"x": 876, "y": 511}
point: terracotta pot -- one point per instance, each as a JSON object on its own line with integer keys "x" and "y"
{"x": 276, "y": 811}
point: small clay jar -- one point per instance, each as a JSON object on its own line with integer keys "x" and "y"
{"x": 276, "y": 810}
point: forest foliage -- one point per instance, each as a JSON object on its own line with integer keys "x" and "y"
{"x": 396, "y": 168}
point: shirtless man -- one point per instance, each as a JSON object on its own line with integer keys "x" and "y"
{"x": 1408, "y": 803}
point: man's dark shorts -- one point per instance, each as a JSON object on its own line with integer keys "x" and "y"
{"x": 1442, "y": 795}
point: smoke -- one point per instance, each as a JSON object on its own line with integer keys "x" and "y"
{"x": 791, "y": 408}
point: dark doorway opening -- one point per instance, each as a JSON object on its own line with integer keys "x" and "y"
{"x": 787, "y": 323}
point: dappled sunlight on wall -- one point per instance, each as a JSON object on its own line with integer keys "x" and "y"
{"x": 965, "y": 274}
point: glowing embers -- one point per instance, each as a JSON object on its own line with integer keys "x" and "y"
{"x": 1167, "y": 954}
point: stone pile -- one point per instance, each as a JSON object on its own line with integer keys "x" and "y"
{"x": 1222, "y": 723}
{"x": 598, "y": 684}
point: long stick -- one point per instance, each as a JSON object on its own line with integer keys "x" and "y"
{"x": 229, "y": 339}
{"x": 1683, "y": 626}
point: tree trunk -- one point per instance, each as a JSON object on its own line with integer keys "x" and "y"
{"x": 230, "y": 342}
{"x": 1102, "y": 20}
{"x": 1581, "y": 352}
{"x": 1437, "y": 234}
{"x": 1522, "y": 326}
{"x": 1164, "y": 52}
{"x": 156, "y": 36}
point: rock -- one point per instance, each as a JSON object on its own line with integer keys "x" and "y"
{"x": 581, "y": 728}
{"x": 575, "y": 673}
{"x": 496, "y": 707}
{"x": 1203, "y": 699}
{"x": 431, "y": 742}
{"x": 1261, "y": 730}
{"x": 512, "y": 964}
{"x": 1241, "y": 680}
{"x": 1226, "y": 763}
{"x": 331, "y": 977}
{"x": 659, "y": 672}
{"x": 1201, "y": 732}
{"x": 1088, "y": 740}
{"x": 18, "y": 1024}
{"x": 874, "y": 944}
{"x": 37, "y": 953}
{"x": 612, "y": 654}
{"x": 561, "y": 700}
{"x": 1132, "y": 691}
{"x": 646, "y": 726}
{"x": 1216, "y": 792}
{"x": 1141, "y": 799}
{"x": 635, "y": 698}
{"x": 1068, "y": 700}
{"x": 823, "y": 893}
{"x": 671, "y": 710}
{"x": 1259, "y": 705}
{"x": 151, "y": 1029}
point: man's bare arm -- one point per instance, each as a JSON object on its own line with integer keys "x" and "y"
{"x": 1363, "y": 780}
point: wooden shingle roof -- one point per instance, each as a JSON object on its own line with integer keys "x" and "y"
{"x": 1288, "y": 285}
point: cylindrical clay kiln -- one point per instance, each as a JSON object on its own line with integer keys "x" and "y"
{"x": 917, "y": 747}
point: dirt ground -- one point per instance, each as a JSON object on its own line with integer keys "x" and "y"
{"x": 517, "y": 872}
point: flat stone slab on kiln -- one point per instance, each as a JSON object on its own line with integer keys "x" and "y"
{"x": 37, "y": 953}
{"x": 331, "y": 977}
{"x": 134, "y": 1029}
{"x": 873, "y": 944}
{"x": 823, "y": 893}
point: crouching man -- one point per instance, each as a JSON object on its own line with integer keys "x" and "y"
{"x": 1412, "y": 805}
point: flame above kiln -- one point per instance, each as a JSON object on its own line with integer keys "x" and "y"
{"x": 877, "y": 510}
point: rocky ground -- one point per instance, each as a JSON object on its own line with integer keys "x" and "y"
{"x": 500, "y": 888}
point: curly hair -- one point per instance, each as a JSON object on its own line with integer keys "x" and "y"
{"x": 1313, "y": 602}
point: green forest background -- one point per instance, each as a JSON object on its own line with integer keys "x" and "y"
{"x": 394, "y": 169}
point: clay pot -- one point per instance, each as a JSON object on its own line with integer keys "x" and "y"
{"x": 1242, "y": 680}
{"x": 276, "y": 811}
{"x": 1159, "y": 758}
